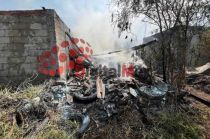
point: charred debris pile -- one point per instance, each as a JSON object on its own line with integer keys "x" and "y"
{"x": 97, "y": 99}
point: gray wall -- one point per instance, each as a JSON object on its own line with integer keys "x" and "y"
{"x": 23, "y": 36}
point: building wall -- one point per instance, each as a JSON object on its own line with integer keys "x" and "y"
{"x": 24, "y": 35}
{"x": 63, "y": 42}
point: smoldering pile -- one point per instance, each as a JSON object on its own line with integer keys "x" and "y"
{"x": 95, "y": 98}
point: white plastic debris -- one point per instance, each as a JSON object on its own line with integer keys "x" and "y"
{"x": 133, "y": 92}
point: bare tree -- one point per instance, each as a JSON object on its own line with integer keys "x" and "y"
{"x": 165, "y": 14}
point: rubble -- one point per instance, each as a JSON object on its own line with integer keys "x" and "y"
{"x": 94, "y": 100}
{"x": 200, "y": 79}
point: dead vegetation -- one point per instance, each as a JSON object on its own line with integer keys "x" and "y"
{"x": 33, "y": 126}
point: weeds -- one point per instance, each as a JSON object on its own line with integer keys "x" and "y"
{"x": 176, "y": 125}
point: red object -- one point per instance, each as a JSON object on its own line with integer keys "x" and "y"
{"x": 82, "y": 40}
{"x": 124, "y": 70}
{"x": 91, "y": 51}
{"x": 80, "y": 73}
{"x": 74, "y": 40}
{"x": 81, "y": 49}
{"x": 130, "y": 71}
{"x": 40, "y": 58}
{"x": 52, "y": 62}
{"x": 46, "y": 54}
{"x": 80, "y": 59}
{"x": 54, "y": 49}
{"x": 60, "y": 70}
{"x": 72, "y": 53}
{"x": 87, "y": 49}
{"x": 52, "y": 73}
{"x": 45, "y": 71}
{"x": 45, "y": 64}
{"x": 70, "y": 65}
{"x": 79, "y": 68}
{"x": 86, "y": 56}
{"x": 127, "y": 72}
{"x": 40, "y": 70}
{"x": 64, "y": 44}
{"x": 62, "y": 57}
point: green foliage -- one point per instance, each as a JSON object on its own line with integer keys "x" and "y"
{"x": 175, "y": 126}
{"x": 53, "y": 133}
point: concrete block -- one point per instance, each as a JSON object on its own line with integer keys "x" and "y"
{"x": 15, "y": 39}
{"x": 4, "y": 40}
{"x": 31, "y": 59}
{"x": 4, "y": 60}
{"x": 5, "y": 54}
{"x": 4, "y": 66}
{"x": 13, "y": 71}
{"x": 31, "y": 19}
{"x": 32, "y": 53}
{"x": 28, "y": 68}
{"x": 38, "y": 26}
{"x": 2, "y": 33}
{"x": 4, "y": 72}
{"x": 9, "y": 53}
{"x": 37, "y": 46}
{"x": 40, "y": 33}
{"x": 16, "y": 59}
{"x": 28, "y": 39}
{"x": 13, "y": 25}
{"x": 9, "y": 18}
{"x": 12, "y": 33}
{"x": 11, "y": 46}
{"x": 38, "y": 40}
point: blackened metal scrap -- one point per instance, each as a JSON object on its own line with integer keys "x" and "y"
{"x": 207, "y": 89}
{"x": 84, "y": 99}
{"x": 70, "y": 114}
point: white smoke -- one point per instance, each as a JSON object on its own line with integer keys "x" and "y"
{"x": 96, "y": 28}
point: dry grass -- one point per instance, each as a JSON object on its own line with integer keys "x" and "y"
{"x": 10, "y": 99}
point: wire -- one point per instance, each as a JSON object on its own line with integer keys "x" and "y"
{"x": 128, "y": 49}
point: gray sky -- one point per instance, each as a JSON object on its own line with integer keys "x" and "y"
{"x": 88, "y": 19}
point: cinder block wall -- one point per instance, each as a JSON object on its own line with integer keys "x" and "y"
{"x": 24, "y": 35}
{"x": 60, "y": 30}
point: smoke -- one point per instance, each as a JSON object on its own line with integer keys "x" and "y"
{"x": 95, "y": 27}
